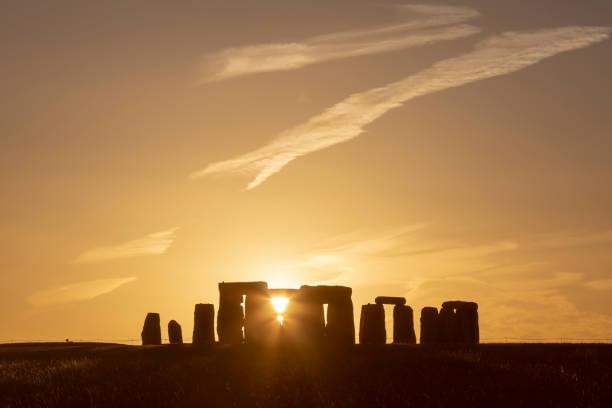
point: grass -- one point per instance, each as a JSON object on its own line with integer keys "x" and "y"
{"x": 64, "y": 375}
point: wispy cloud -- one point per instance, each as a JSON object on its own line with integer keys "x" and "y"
{"x": 77, "y": 292}
{"x": 527, "y": 293}
{"x": 426, "y": 28}
{"x": 352, "y": 257}
{"x": 340, "y": 257}
{"x": 576, "y": 239}
{"x": 499, "y": 55}
{"x": 152, "y": 244}
{"x": 383, "y": 243}
{"x": 523, "y": 291}
{"x": 599, "y": 284}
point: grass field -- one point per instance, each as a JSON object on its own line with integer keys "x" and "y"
{"x": 91, "y": 374}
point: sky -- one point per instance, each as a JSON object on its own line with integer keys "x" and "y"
{"x": 437, "y": 150}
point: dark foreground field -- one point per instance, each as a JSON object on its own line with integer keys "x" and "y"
{"x": 491, "y": 375}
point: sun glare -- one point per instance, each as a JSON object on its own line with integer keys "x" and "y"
{"x": 280, "y": 304}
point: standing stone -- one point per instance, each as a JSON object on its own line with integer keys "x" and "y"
{"x": 175, "y": 332}
{"x": 230, "y": 318}
{"x": 468, "y": 325}
{"x": 403, "y": 324}
{"x": 390, "y": 300}
{"x": 308, "y": 319}
{"x": 372, "y": 325}
{"x": 429, "y": 326}
{"x": 340, "y": 328}
{"x": 325, "y": 293}
{"x": 291, "y": 325}
{"x": 314, "y": 323}
{"x": 151, "y": 331}
{"x": 304, "y": 322}
{"x": 465, "y": 325}
{"x": 260, "y": 324}
{"x": 448, "y": 326}
{"x": 203, "y": 324}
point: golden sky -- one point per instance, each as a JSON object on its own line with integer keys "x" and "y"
{"x": 437, "y": 151}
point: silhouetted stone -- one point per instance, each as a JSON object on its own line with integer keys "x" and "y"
{"x": 459, "y": 322}
{"x": 304, "y": 321}
{"x": 203, "y": 324}
{"x": 258, "y": 317}
{"x": 175, "y": 332}
{"x": 340, "y": 329}
{"x": 281, "y": 292}
{"x": 390, "y": 300}
{"x": 372, "y": 325}
{"x": 151, "y": 330}
{"x": 460, "y": 304}
{"x": 429, "y": 326}
{"x": 325, "y": 294}
{"x": 291, "y": 322}
{"x": 260, "y": 324}
{"x": 242, "y": 288}
{"x": 448, "y": 326}
{"x": 230, "y": 317}
{"x": 468, "y": 326}
{"x": 403, "y": 324}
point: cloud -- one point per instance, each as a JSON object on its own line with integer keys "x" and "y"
{"x": 426, "y": 29}
{"x": 339, "y": 257}
{"x": 152, "y": 244}
{"x": 352, "y": 257}
{"x": 498, "y": 55}
{"x": 523, "y": 292}
{"x": 576, "y": 240}
{"x": 600, "y": 284}
{"x": 381, "y": 243}
{"x": 77, "y": 292}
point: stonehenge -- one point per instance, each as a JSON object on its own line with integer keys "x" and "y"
{"x": 203, "y": 324}
{"x": 175, "y": 332}
{"x": 247, "y": 314}
{"x": 151, "y": 330}
{"x": 457, "y": 322}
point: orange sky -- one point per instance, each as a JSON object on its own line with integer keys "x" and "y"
{"x": 450, "y": 151}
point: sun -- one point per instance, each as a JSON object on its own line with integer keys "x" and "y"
{"x": 280, "y": 304}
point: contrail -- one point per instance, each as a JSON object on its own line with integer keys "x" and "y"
{"x": 499, "y": 55}
{"x": 426, "y": 29}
